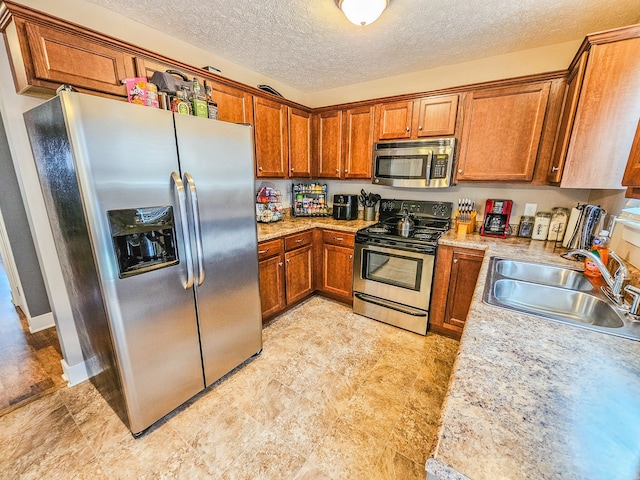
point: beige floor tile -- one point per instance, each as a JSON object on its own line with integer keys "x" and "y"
{"x": 371, "y": 411}
{"x": 413, "y": 435}
{"x": 331, "y": 391}
{"x": 267, "y": 400}
{"x": 266, "y": 458}
{"x": 223, "y": 436}
{"x": 394, "y": 466}
{"x": 303, "y": 425}
{"x": 310, "y": 471}
{"x": 347, "y": 452}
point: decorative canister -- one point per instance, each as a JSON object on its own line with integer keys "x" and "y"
{"x": 541, "y": 226}
{"x": 558, "y": 225}
{"x": 526, "y": 226}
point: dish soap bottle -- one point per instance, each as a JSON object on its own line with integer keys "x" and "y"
{"x": 600, "y": 249}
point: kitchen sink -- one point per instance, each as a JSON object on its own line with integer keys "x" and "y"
{"x": 544, "y": 274}
{"x": 555, "y": 303}
{"x": 555, "y": 293}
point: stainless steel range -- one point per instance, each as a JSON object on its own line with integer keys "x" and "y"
{"x": 394, "y": 261}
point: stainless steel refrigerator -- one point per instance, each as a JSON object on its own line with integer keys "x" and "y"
{"x": 153, "y": 218}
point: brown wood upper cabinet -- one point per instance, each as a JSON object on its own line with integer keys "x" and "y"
{"x": 271, "y": 135}
{"x": 424, "y": 117}
{"x": 631, "y": 177}
{"x": 44, "y": 58}
{"x": 345, "y": 143}
{"x": 501, "y": 133}
{"x": 600, "y": 113}
{"x": 234, "y": 105}
{"x": 300, "y": 143}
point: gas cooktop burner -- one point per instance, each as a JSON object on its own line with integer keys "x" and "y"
{"x": 377, "y": 229}
{"x": 431, "y": 220}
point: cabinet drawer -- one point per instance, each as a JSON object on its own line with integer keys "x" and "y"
{"x": 270, "y": 248}
{"x": 335, "y": 237}
{"x": 298, "y": 240}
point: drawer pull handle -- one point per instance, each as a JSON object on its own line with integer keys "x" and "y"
{"x": 263, "y": 251}
{"x": 299, "y": 240}
{"x": 350, "y": 256}
{"x": 338, "y": 239}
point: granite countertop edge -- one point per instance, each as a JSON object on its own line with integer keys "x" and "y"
{"x": 518, "y": 381}
{"x": 290, "y": 225}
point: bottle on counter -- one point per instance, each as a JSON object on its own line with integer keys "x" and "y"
{"x": 179, "y": 104}
{"x": 198, "y": 102}
{"x": 600, "y": 249}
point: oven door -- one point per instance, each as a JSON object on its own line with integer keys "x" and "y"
{"x": 395, "y": 275}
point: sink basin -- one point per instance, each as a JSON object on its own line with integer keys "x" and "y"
{"x": 554, "y": 303}
{"x": 544, "y": 274}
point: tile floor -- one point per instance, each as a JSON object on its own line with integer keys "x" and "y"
{"x": 332, "y": 396}
{"x": 29, "y": 363}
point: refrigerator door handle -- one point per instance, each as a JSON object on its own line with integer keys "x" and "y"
{"x": 182, "y": 208}
{"x": 195, "y": 212}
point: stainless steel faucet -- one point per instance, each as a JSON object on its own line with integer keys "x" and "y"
{"x": 615, "y": 282}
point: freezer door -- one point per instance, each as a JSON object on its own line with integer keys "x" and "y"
{"x": 216, "y": 159}
{"x": 124, "y": 155}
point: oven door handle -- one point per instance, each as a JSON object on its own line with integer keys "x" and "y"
{"x": 391, "y": 305}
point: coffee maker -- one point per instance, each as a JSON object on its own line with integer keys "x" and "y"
{"x": 345, "y": 207}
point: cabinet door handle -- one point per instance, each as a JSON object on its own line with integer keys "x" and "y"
{"x": 280, "y": 264}
{"x": 455, "y": 260}
{"x": 555, "y": 169}
{"x": 460, "y": 170}
{"x": 350, "y": 256}
{"x": 263, "y": 251}
{"x": 337, "y": 170}
{"x": 288, "y": 260}
{"x": 408, "y": 128}
{"x": 260, "y": 168}
{"x": 419, "y": 127}
{"x": 346, "y": 171}
{"x": 292, "y": 169}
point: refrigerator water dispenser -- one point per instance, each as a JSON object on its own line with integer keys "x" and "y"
{"x": 143, "y": 239}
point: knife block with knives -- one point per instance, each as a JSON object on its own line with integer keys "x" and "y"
{"x": 465, "y": 216}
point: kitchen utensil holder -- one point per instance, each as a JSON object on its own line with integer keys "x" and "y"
{"x": 369, "y": 213}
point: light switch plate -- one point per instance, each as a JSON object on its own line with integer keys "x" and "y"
{"x": 530, "y": 209}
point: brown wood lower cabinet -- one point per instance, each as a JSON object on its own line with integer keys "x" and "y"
{"x": 337, "y": 265}
{"x": 271, "y": 268}
{"x": 299, "y": 274}
{"x": 454, "y": 282}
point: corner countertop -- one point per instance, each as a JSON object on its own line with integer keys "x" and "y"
{"x": 289, "y": 225}
{"x": 530, "y": 398}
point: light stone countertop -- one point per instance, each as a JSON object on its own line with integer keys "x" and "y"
{"x": 531, "y": 398}
{"x": 289, "y": 225}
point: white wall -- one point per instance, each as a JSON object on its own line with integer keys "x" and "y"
{"x": 12, "y": 106}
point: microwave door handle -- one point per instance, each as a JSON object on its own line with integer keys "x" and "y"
{"x": 195, "y": 218}
{"x": 182, "y": 211}
{"x": 428, "y": 160}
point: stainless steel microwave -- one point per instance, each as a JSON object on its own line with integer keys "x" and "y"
{"x": 414, "y": 163}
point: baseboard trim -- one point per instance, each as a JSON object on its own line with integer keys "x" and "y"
{"x": 74, "y": 374}
{"x": 41, "y": 322}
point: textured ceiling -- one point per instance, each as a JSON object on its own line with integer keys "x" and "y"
{"x": 309, "y": 44}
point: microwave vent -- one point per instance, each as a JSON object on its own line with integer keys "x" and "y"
{"x": 440, "y": 142}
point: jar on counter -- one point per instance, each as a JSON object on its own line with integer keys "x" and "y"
{"x": 526, "y": 226}
{"x": 541, "y": 226}
{"x": 558, "y": 225}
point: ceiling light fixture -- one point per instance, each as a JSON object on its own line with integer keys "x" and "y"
{"x": 362, "y": 12}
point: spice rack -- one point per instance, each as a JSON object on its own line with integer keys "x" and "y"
{"x": 309, "y": 200}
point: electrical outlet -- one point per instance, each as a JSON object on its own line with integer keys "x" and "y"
{"x": 530, "y": 209}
